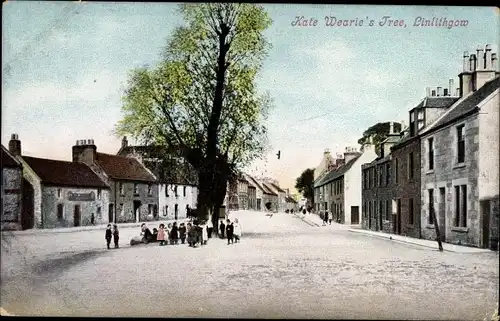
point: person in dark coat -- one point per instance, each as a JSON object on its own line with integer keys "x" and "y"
{"x": 182, "y": 233}
{"x": 92, "y": 219}
{"x": 148, "y": 236}
{"x": 174, "y": 236}
{"x": 116, "y": 235}
{"x": 229, "y": 232}
{"x": 108, "y": 235}
{"x": 222, "y": 228}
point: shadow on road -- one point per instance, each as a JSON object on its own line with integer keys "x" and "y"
{"x": 55, "y": 266}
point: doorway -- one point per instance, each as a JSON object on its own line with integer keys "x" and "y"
{"x": 110, "y": 213}
{"x": 76, "y": 216}
{"x": 442, "y": 213}
{"x": 354, "y": 214}
{"x": 485, "y": 208}
{"x": 176, "y": 211}
{"x": 28, "y": 206}
{"x": 137, "y": 206}
{"x": 259, "y": 205}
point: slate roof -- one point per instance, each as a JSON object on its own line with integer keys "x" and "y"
{"x": 268, "y": 190}
{"x": 277, "y": 188}
{"x": 257, "y": 184}
{"x": 124, "y": 168}
{"x": 437, "y": 102}
{"x": 61, "y": 173}
{"x": 337, "y": 173}
{"x": 8, "y": 160}
{"x": 467, "y": 105}
{"x": 290, "y": 200}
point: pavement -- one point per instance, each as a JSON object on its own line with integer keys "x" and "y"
{"x": 282, "y": 268}
{"x": 420, "y": 242}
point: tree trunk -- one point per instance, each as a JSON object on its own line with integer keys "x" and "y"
{"x": 204, "y": 193}
{"x": 438, "y": 233}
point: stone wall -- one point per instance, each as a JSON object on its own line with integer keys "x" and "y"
{"x": 125, "y": 202}
{"x": 407, "y": 188}
{"x": 447, "y": 174}
{"x": 53, "y": 196}
{"x": 11, "y": 198}
{"x": 31, "y": 178}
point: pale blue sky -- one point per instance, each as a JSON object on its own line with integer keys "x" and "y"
{"x": 64, "y": 65}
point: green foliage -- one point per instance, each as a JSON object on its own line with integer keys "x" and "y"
{"x": 173, "y": 103}
{"x": 379, "y": 133}
{"x": 305, "y": 183}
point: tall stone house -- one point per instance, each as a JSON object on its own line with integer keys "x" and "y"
{"x": 339, "y": 191}
{"x": 378, "y": 187}
{"x": 12, "y": 184}
{"x": 133, "y": 188}
{"x": 460, "y": 161}
{"x": 177, "y": 180}
{"x": 59, "y": 193}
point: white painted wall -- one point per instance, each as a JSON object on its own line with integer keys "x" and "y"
{"x": 189, "y": 199}
{"x": 488, "y": 147}
{"x": 352, "y": 183}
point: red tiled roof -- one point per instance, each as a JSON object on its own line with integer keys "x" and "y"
{"x": 61, "y": 173}
{"x": 124, "y": 168}
{"x": 8, "y": 160}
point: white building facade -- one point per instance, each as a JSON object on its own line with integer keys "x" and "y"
{"x": 174, "y": 200}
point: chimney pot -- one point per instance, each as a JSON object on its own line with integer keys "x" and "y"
{"x": 494, "y": 61}
{"x": 466, "y": 62}
{"x": 438, "y": 91}
{"x": 457, "y": 92}
{"x": 15, "y": 145}
{"x": 428, "y": 91}
{"x": 450, "y": 86}
{"x": 433, "y": 94}
{"x": 391, "y": 128}
{"x": 445, "y": 92}
{"x": 472, "y": 62}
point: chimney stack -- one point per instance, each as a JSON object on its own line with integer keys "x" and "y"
{"x": 466, "y": 65}
{"x": 450, "y": 86}
{"x": 85, "y": 152}
{"x": 350, "y": 152}
{"x": 480, "y": 58}
{"x": 472, "y": 62}
{"x": 124, "y": 142}
{"x": 487, "y": 57}
{"x": 15, "y": 145}
{"x": 391, "y": 128}
{"x": 439, "y": 91}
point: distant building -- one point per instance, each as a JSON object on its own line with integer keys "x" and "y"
{"x": 270, "y": 197}
{"x": 12, "y": 184}
{"x": 259, "y": 192}
{"x": 339, "y": 191}
{"x": 134, "y": 189}
{"x": 273, "y": 186}
{"x": 177, "y": 190}
{"x": 59, "y": 193}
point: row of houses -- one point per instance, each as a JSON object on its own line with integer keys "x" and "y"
{"x": 93, "y": 188}
{"x": 442, "y": 168}
{"x": 259, "y": 194}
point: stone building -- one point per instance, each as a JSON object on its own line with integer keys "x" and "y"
{"x": 133, "y": 188}
{"x": 378, "y": 188}
{"x": 59, "y": 193}
{"x": 252, "y": 196}
{"x": 232, "y": 197}
{"x": 339, "y": 191}
{"x": 242, "y": 185}
{"x": 269, "y": 197}
{"x": 273, "y": 185}
{"x": 177, "y": 180}
{"x": 460, "y": 161}
{"x": 259, "y": 193}
{"x": 406, "y": 161}
{"x": 12, "y": 179}
{"x": 325, "y": 166}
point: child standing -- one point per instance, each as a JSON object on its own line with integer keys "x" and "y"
{"x": 174, "y": 234}
{"x": 237, "y": 230}
{"x": 116, "y": 235}
{"x": 108, "y": 235}
{"x": 161, "y": 234}
{"x": 182, "y": 233}
{"x": 229, "y": 232}
{"x": 191, "y": 231}
{"x": 222, "y": 228}
{"x": 167, "y": 233}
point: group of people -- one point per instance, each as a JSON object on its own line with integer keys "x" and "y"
{"x": 112, "y": 233}
{"x": 232, "y": 231}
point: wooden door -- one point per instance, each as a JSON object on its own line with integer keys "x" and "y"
{"x": 110, "y": 213}
{"x": 442, "y": 213}
{"x": 354, "y": 214}
{"x": 485, "y": 213}
{"x": 76, "y": 216}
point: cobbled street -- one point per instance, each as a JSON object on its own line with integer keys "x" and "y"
{"x": 283, "y": 268}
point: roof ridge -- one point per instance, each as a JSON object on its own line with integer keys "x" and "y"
{"x": 53, "y": 160}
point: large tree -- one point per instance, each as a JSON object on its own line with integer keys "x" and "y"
{"x": 202, "y": 99}
{"x": 379, "y": 133}
{"x": 305, "y": 184}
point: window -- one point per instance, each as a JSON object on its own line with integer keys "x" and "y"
{"x": 99, "y": 212}
{"x": 387, "y": 174}
{"x": 120, "y": 187}
{"x": 430, "y": 156}
{"x": 460, "y": 144}
{"x": 136, "y": 188}
{"x": 411, "y": 168}
{"x": 175, "y": 191}
{"x": 411, "y": 218}
{"x": 98, "y": 193}
{"x": 122, "y": 210}
{"x": 150, "y": 209}
{"x": 396, "y": 171}
{"x": 461, "y": 206}
{"x": 184, "y": 191}
{"x": 365, "y": 179}
{"x": 166, "y": 190}
{"x": 58, "y": 193}
{"x": 60, "y": 212}
{"x": 176, "y": 210}
{"x": 431, "y": 206}
{"x": 388, "y": 210}
{"x": 150, "y": 189}
{"x": 380, "y": 175}
{"x": 165, "y": 213}
{"x": 381, "y": 209}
